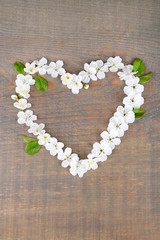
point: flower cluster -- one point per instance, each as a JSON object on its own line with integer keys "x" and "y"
{"x": 117, "y": 126}
{"x": 93, "y": 71}
{"x": 23, "y": 83}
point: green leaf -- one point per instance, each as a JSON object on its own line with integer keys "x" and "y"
{"x": 32, "y": 147}
{"x": 41, "y": 84}
{"x": 145, "y": 78}
{"x": 19, "y": 67}
{"x": 28, "y": 139}
{"x": 139, "y": 112}
{"x": 138, "y": 66}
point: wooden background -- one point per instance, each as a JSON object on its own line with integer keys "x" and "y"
{"x": 39, "y": 200}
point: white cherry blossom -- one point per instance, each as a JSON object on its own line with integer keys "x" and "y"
{"x": 112, "y": 141}
{"x": 90, "y": 162}
{"x": 23, "y": 90}
{"x": 66, "y": 157}
{"x": 75, "y": 84}
{"x": 30, "y": 68}
{"x": 66, "y": 78}
{"x": 127, "y": 72}
{"x": 89, "y": 73}
{"x": 114, "y": 63}
{"x": 43, "y": 138}
{"x": 24, "y": 79}
{"x": 101, "y": 150}
{"x": 37, "y": 129}
{"x": 55, "y": 69}
{"x": 133, "y": 86}
{"x": 22, "y": 104}
{"x": 133, "y": 100}
{"x": 41, "y": 65}
{"x": 54, "y": 146}
{"x": 125, "y": 112}
{"x": 26, "y": 117}
{"x": 77, "y": 167}
{"x": 100, "y": 68}
{"x": 117, "y": 126}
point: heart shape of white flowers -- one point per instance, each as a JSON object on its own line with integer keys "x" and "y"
{"x": 118, "y": 124}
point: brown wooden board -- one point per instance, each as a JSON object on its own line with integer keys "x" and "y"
{"x": 40, "y": 200}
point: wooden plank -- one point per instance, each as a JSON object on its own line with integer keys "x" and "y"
{"x": 39, "y": 200}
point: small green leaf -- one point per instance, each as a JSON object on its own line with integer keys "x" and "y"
{"x": 32, "y": 147}
{"x": 145, "y": 78}
{"x": 28, "y": 139}
{"x": 139, "y": 112}
{"x": 19, "y": 67}
{"x": 138, "y": 66}
{"x": 41, "y": 84}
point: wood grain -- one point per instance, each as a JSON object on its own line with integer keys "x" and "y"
{"x": 39, "y": 200}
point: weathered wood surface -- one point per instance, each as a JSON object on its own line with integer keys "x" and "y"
{"x": 39, "y": 200}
